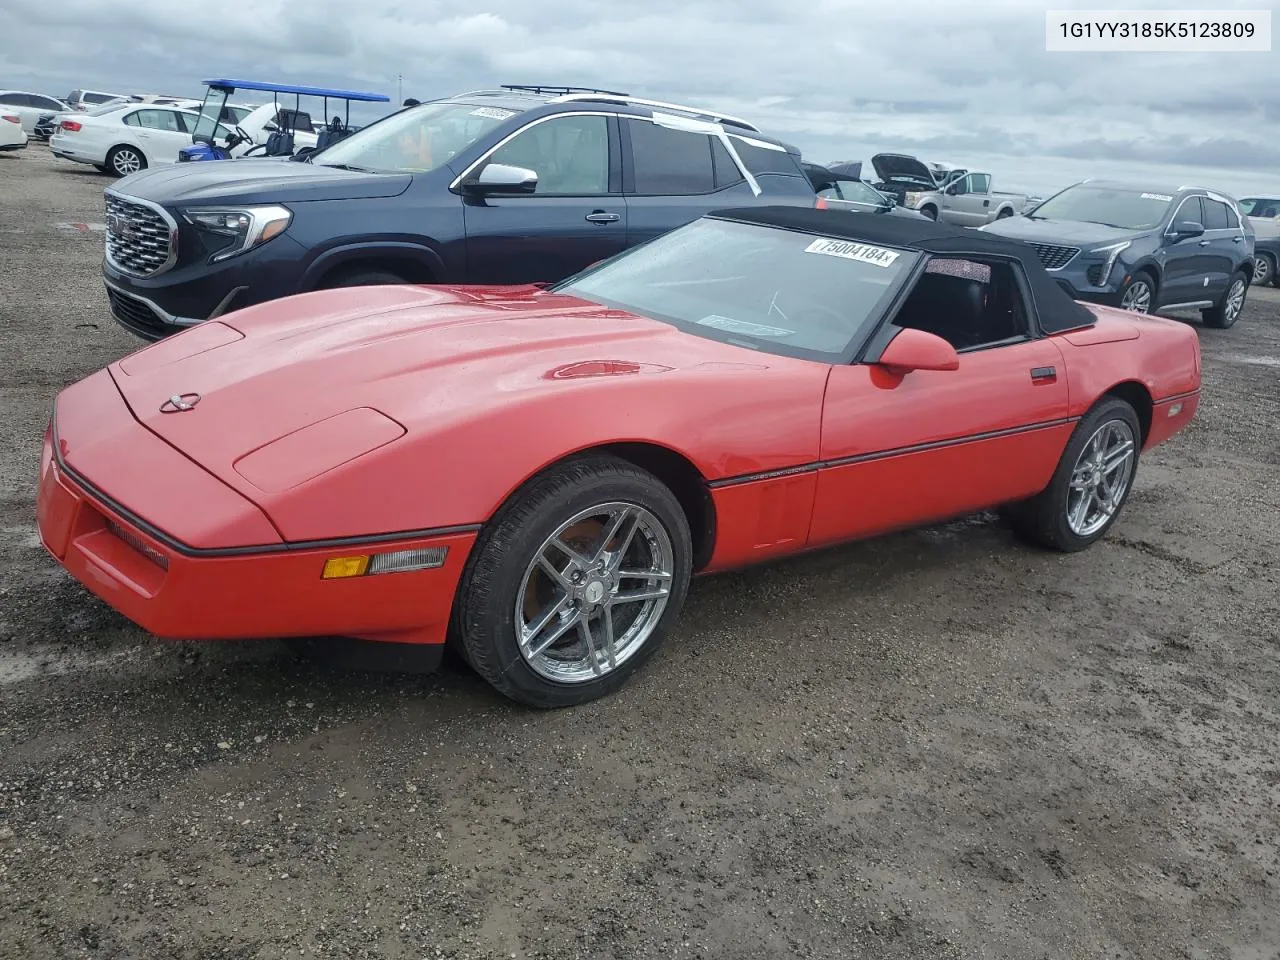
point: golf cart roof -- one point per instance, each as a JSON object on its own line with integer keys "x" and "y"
{"x": 232, "y": 85}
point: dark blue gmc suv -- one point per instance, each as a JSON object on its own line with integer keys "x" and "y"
{"x": 514, "y": 185}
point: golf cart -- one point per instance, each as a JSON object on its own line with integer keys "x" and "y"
{"x": 272, "y": 129}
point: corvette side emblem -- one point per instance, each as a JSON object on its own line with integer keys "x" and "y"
{"x": 180, "y": 402}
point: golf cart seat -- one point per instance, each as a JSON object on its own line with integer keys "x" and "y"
{"x": 279, "y": 144}
{"x": 330, "y": 134}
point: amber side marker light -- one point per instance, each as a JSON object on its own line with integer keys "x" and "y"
{"x": 397, "y": 561}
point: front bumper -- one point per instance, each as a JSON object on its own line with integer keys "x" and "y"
{"x": 176, "y": 590}
{"x": 155, "y": 307}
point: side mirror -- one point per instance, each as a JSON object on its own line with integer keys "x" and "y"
{"x": 917, "y": 350}
{"x": 1185, "y": 230}
{"x": 952, "y": 189}
{"x": 270, "y": 125}
{"x": 501, "y": 178}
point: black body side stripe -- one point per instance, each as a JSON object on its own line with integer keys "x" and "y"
{"x": 885, "y": 454}
{"x": 187, "y": 550}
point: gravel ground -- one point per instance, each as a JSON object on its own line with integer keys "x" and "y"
{"x": 937, "y": 744}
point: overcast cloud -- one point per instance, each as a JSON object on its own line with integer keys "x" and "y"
{"x": 964, "y": 82}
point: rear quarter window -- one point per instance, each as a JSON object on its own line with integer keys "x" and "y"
{"x": 762, "y": 160}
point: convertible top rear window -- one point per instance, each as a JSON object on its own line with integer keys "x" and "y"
{"x": 766, "y": 288}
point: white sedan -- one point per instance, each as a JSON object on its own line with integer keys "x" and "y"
{"x": 125, "y": 141}
{"x": 12, "y": 136}
{"x": 29, "y": 106}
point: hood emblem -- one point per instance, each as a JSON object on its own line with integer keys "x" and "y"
{"x": 180, "y": 402}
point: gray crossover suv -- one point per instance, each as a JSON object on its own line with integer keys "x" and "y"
{"x": 1143, "y": 248}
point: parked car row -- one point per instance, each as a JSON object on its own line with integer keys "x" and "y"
{"x": 531, "y": 184}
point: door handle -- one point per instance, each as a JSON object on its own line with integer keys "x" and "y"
{"x": 1044, "y": 373}
{"x": 1205, "y": 243}
{"x": 1237, "y": 239}
{"x": 599, "y": 216}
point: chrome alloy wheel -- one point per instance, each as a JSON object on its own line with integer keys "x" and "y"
{"x": 1100, "y": 478}
{"x": 1137, "y": 297}
{"x": 126, "y": 161}
{"x": 594, "y": 592}
{"x": 1261, "y": 270}
{"x": 1235, "y": 302}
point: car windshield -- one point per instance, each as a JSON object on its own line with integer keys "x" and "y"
{"x": 415, "y": 140}
{"x": 763, "y": 288}
{"x": 1260, "y": 206}
{"x": 854, "y": 191}
{"x": 1109, "y": 206}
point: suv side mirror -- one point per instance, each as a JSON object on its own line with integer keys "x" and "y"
{"x": 501, "y": 178}
{"x": 917, "y": 350}
{"x": 1185, "y": 230}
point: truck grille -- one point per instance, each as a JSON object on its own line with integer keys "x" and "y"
{"x": 139, "y": 239}
{"x": 1054, "y": 257}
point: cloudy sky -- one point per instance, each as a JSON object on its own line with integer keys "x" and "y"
{"x": 963, "y": 82}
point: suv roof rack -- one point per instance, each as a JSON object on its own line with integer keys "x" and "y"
{"x": 609, "y": 97}
{"x": 557, "y": 91}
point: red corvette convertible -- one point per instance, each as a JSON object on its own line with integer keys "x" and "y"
{"x": 536, "y": 473}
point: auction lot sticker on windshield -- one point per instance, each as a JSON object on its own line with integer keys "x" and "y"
{"x": 1157, "y": 196}
{"x": 492, "y": 113}
{"x": 862, "y": 252}
{"x": 743, "y": 326}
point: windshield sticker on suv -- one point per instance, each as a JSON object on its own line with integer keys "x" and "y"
{"x": 1157, "y": 196}
{"x": 492, "y": 113}
{"x": 744, "y": 327}
{"x": 862, "y": 252}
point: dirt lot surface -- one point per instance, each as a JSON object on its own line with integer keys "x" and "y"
{"x": 937, "y": 744}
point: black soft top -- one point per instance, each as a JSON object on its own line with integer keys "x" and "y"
{"x": 1055, "y": 308}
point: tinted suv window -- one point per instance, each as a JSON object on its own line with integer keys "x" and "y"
{"x": 569, "y": 154}
{"x": 726, "y": 171}
{"x": 670, "y": 162}
{"x": 1215, "y": 214}
{"x": 15, "y": 99}
{"x": 760, "y": 160}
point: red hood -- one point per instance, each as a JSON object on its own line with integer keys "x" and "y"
{"x": 426, "y": 357}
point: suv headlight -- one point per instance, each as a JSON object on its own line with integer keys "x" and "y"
{"x": 242, "y": 227}
{"x": 1113, "y": 251}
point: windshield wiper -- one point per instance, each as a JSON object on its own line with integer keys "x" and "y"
{"x": 347, "y": 166}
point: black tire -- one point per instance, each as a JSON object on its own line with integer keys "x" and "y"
{"x": 930, "y": 211}
{"x": 1132, "y": 288}
{"x": 1226, "y": 311}
{"x": 1264, "y": 270}
{"x": 484, "y": 621}
{"x": 1042, "y": 520}
{"x": 362, "y": 278}
{"x": 121, "y": 159}
{"x": 1004, "y": 213}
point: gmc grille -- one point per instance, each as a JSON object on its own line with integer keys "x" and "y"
{"x": 139, "y": 240}
{"x": 1054, "y": 257}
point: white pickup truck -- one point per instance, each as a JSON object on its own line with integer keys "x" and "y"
{"x": 967, "y": 200}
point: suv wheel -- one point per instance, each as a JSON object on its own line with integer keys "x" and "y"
{"x": 1264, "y": 270}
{"x": 1139, "y": 293}
{"x": 1229, "y": 306}
{"x": 929, "y": 211}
